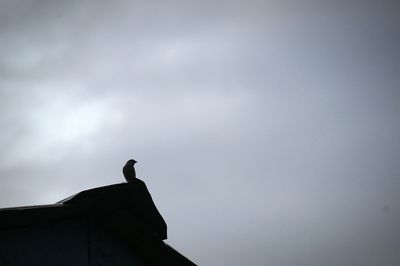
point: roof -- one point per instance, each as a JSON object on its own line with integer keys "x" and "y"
{"x": 124, "y": 212}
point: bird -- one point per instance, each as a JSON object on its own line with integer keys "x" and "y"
{"x": 129, "y": 170}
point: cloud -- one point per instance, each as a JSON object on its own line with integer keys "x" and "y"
{"x": 266, "y": 131}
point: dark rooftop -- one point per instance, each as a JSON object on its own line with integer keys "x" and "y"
{"x": 125, "y": 213}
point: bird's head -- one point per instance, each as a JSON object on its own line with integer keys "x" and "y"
{"x": 131, "y": 162}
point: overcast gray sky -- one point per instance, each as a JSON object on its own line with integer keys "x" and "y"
{"x": 266, "y": 131}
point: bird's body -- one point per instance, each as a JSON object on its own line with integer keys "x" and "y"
{"x": 129, "y": 170}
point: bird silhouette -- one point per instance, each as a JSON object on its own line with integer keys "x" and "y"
{"x": 129, "y": 170}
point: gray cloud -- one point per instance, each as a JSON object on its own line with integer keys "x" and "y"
{"x": 267, "y": 131}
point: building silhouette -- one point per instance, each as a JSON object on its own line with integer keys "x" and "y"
{"x": 112, "y": 225}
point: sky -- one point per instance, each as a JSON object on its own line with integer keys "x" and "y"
{"x": 266, "y": 131}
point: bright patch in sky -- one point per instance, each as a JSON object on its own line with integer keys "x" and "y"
{"x": 60, "y": 122}
{"x": 69, "y": 122}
